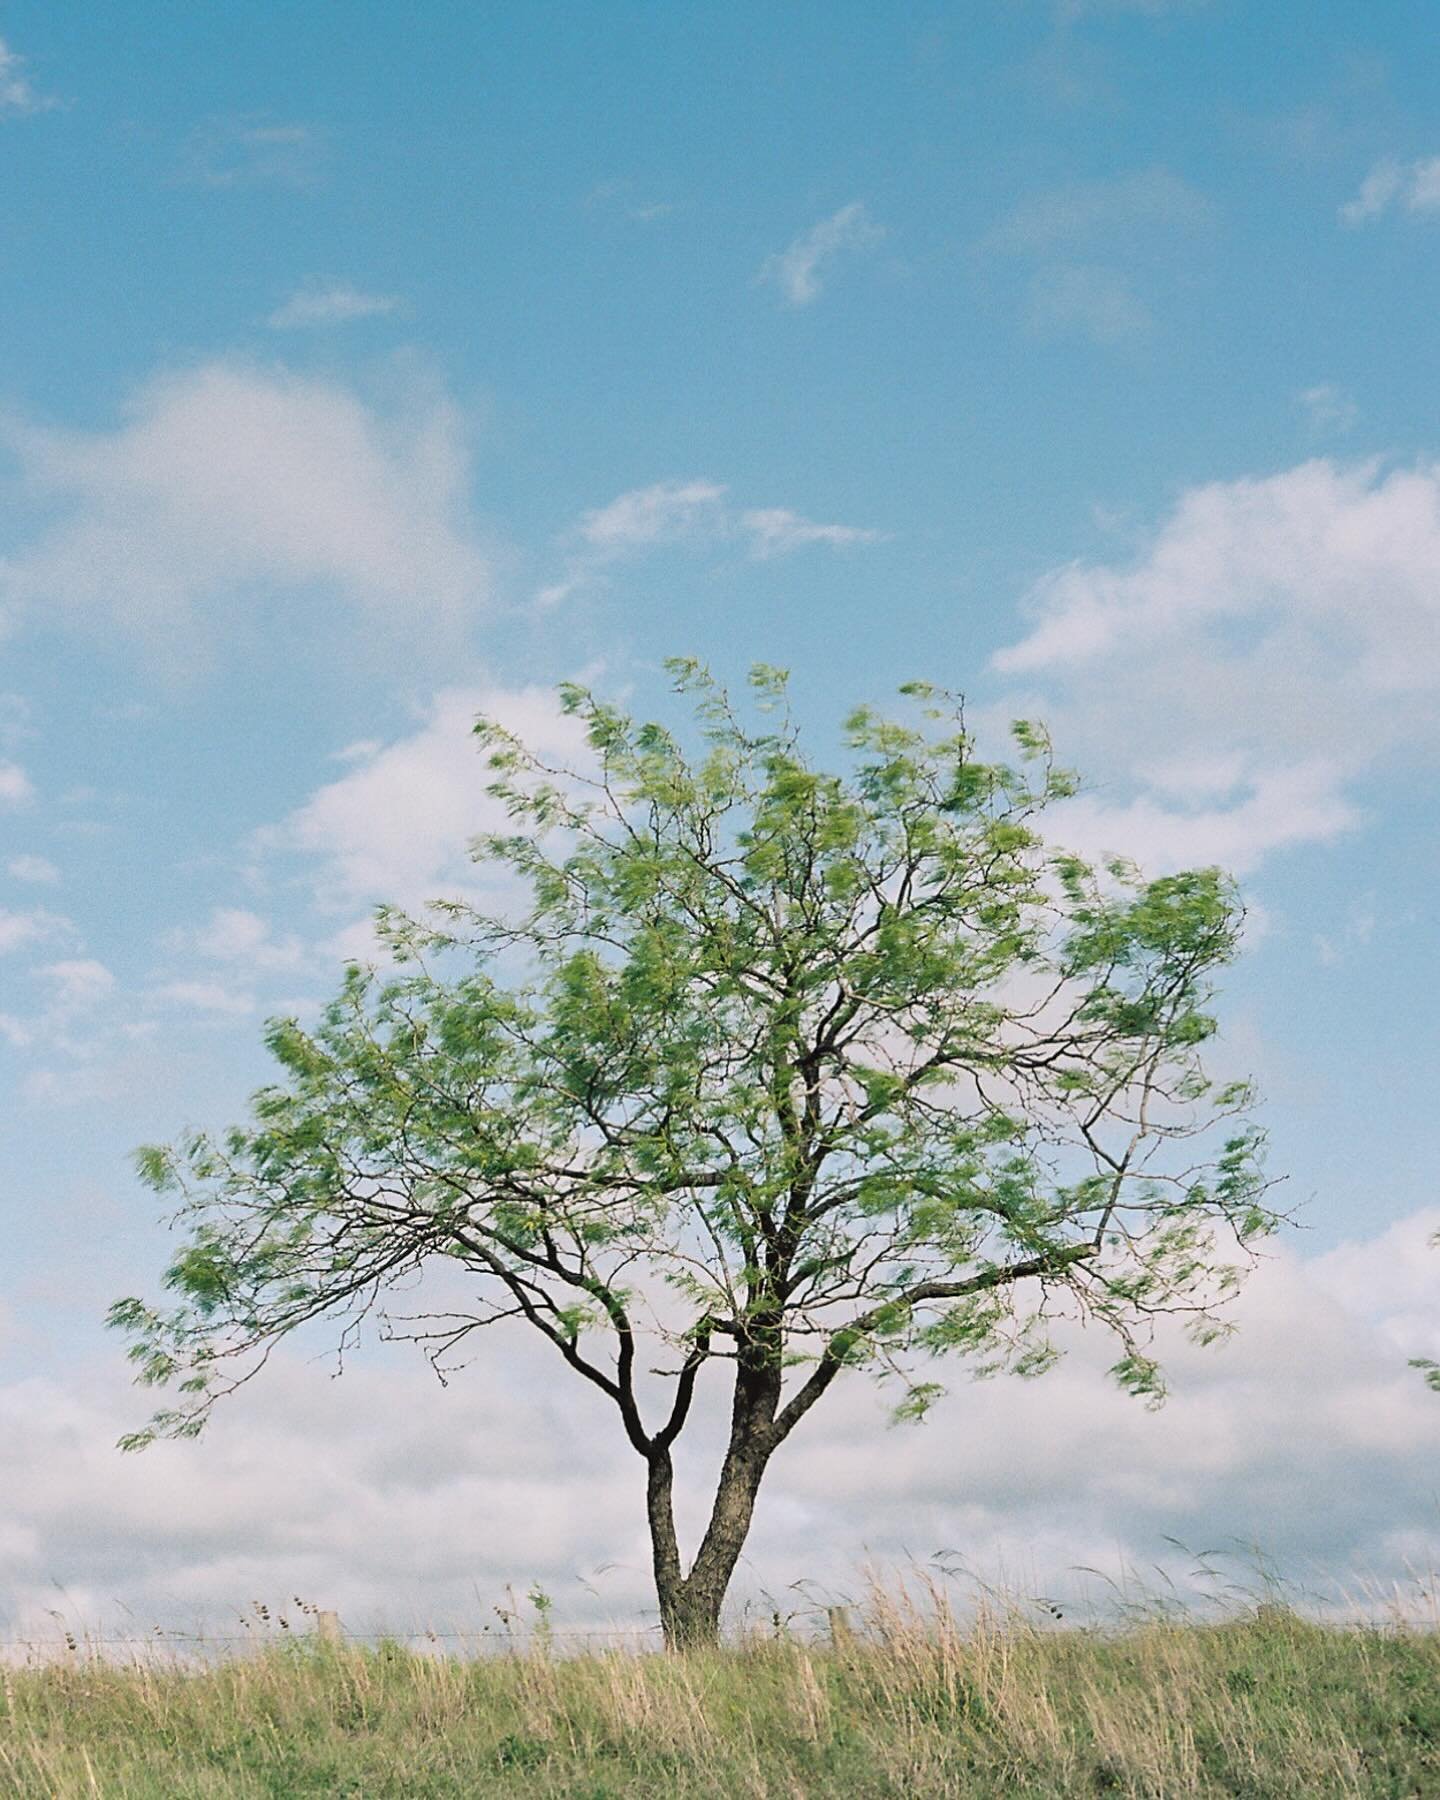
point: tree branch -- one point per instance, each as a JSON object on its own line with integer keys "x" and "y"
{"x": 833, "y": 1357}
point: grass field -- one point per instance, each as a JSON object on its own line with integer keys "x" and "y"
{"x": 1262, "y": 1705}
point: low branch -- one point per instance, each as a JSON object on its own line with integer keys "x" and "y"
{"x": 834, "y": 1356}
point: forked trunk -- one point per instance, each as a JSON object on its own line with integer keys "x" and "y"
{"x": 690, "y": 1604}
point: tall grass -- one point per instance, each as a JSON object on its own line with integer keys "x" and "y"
{"x": 917, "y": 1704}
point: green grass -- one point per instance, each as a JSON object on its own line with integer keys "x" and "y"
{"x": 1267, "y": 1705}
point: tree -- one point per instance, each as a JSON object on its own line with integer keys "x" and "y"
{"x": 788, "y": 1073}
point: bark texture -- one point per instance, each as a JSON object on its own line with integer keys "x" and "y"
{"x": 690, "y": 1603}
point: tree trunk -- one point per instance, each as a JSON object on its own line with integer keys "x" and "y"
{"x": 690, "y": 1604}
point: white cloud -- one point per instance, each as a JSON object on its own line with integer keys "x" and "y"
{"x": 1286, "y": 625}
{"x": 1377, "y": 190}
{"x": 1328, "y": 408}
{"x": 692, "y": 512}
{"x": 419, "y": 1503}
{"x": 395, "y": 826}
{"x": 1389, "y": 1280}
{"x": 17, "y": 93}
{"x": 624, "y": 198}
{"x": 1412, "y": 187}
{"x": 651, "y": 515}
{"x": 235, "y": 935}
{"x": 801, "y": 270}
{"x": 1095, "y": 302}
{"x": 248, "y": 150}
{"x": 78, "y": 983}
{"x": 32, "y": 868}
{"x": 1120, "y": 209}
{"x": 330, "y": 303}
{"x": 15, "y": 724}
{"x": 1269, "y": 812}
{"x": 16, "y": 788}
{"x": 775, "y": 531}
{"x": 1084, "y": 240}
{"x": 229, "y": 481}
{"x": 73, "y": 988}
{"x": 1150, "y": 9}
{"x": 36, "y": 926}
{"x": 204, "y": 997}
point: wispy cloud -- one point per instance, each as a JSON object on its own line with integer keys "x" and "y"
{"x": 1113, "y": 213}
{"x": 1084, "y": 240}
{"x": 16, "y": 788}
{"x": 775, "y": 531}
{"x": 330, "y": 303}
{"x": 1095, "y": 302}
{"x": 666, "y": 512}
{"x": 1152, "y": 9}
{"x": 1329, "y": 410}
{"x": 801, "y": 270}
{"x": 32, "y": 868}
{"x": 651, "y": 515}
{"x": 694, "y": 512}
{"x": 1411, "y": 187}
{"x": 204, "y": 997}
{"x": 17, "y": 93}
{"x": 251, "y": 151}
{"x": 624, "y": 199}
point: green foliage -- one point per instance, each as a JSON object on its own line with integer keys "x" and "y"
{"x": 801, "y": 1069}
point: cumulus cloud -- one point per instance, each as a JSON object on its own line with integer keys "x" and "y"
{"x": 17, "y": 92}
{"x": 34, "y": 926}
{"x": 802, "y": 269}
{"x": 78, "y": 983}
{"x": 71, "y": 989}
{"x": 1410, "y": 187}
{"x": 394, "y": 827}
{"x": 1388, "y": 1281}
{"x": 330, "y": 303}
{"x": 1264, "y": 812}
{"x": 1306, "y": 1435}
{"x": 1286, "y": 625}
{"x": 233, "y": 934}
{"x": 229, "y": 482}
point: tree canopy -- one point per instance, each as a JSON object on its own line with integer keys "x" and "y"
{"x": 771, "y": 1072}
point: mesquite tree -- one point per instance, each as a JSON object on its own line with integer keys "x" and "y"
{"x": 774, "y": 1074}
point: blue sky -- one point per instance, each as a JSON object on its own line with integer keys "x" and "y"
{"x": 364, "y": 367}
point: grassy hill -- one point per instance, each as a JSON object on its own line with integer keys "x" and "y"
{"x": 1263, "y": 1705}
